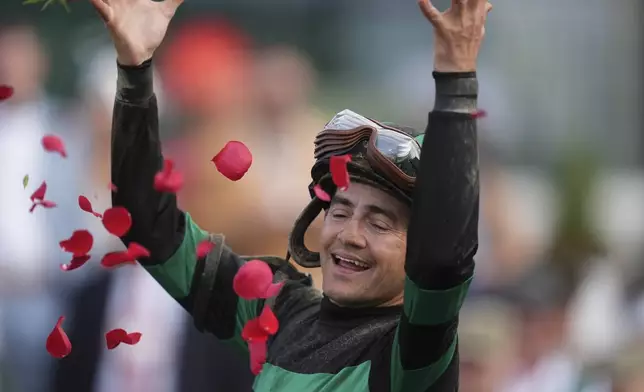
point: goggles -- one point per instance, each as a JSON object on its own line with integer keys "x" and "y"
{"x": 392, "y": 152}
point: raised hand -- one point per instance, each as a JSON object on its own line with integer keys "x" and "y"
{"x": 458, "y": 33}
{"x": 137, "y": 27}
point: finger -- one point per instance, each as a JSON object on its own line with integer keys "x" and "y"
{"x": 431, "y": 13}
{"x": 172, "y": 5}
{"x": 104, "y": 10}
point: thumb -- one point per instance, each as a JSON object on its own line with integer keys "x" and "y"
{"x": 104, "y": 10}
{"x": 431, "y": 13}
{"x": 172, "y": 5}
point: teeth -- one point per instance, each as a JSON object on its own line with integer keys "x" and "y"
{"x": 354, "y": 262}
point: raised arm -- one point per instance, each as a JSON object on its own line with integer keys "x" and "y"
{"x": 442, "y": 237}
{"x": 202, "y": 286}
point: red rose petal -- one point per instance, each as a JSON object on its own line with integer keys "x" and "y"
{"x": 479, "y": 114}
{"x": 273, "y": 290}
{"x": 6, "y": 92}
{"x": 77, "y": 262}
{"x": 47, "y": 204}
{"x": 117, "y": 336}
{"x": 117, "y": 221}
{"x": 234, "y": 160}
{"x": 133, "y": 338}
{"x": 115, "y": 259}
{"x": 112, "y": 187}
{"x": 53, "y": 143}
{"x": 258, "y": 351}
{"x": 268, "y": 321}
{"x": 339, "y": 173}
{"x": 168, "y": 180}
{"x": 320, "y": 193}
{"x": 253, "y": 331}
{"x": 86, "y": 206}
{"x": 253, "y": 279}
{"x": 58, "y": 344}
{"x": 204, "y": 247}
{"x": 79, "y": 244}
{"x": 137, "y": 251}
{"x": 39, "y": 194}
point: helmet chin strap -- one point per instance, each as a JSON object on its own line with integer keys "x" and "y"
{"x": 296, "y": 247}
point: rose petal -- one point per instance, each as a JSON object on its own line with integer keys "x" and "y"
{"x": 234, "y": 160}
{"x": 258, "y": 351}
{"x": 117, "y": 221}
{"x": 39, "y": 194}
{"x": 47, "y": 204}
{"x": 273, "y": 290}
{"x": 320, "y": 193}
{"x": 86, "y": 206}
{"x": 112, "y": 187}
{"x": 79, "y": 244}
{"x": 253, "y": 279}
{"x": 268, "y": 321}
{"x": 53, "y": 143}
{"x": 6, "y": 92}
{"x": 339, "y": 173}
{"x": 77, "y": 262}
{"x": 253, "y": 331}
{"x": 115, "y": 259}
{"x": 479, "y": 114}
{"x": 168, "y": 180}
{"x": 204, "y": 247}
{"x": 58, "y": 344}
{"x": 137, "y": 251}
{"x": 117, "y": 336}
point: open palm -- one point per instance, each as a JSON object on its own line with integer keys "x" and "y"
{"x": 137, "y": 27}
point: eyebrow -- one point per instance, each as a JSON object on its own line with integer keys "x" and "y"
{"x": 372, "y": 208}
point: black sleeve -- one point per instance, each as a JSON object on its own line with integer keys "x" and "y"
{"x": 441, "y": 242}
{"x": 157, "y": 223}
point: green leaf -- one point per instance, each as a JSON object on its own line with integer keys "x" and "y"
{"x": 25, "y": 181}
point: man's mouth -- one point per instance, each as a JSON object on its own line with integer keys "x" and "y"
{"x": 350, "y": 264}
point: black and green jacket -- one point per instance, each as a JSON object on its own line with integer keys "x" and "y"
{"x": 320, "y": 347}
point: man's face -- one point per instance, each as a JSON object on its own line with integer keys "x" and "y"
{"x": 363, "y": 244}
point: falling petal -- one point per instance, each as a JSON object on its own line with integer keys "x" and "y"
{"x": 253, "y": 331}
{"x": 115, "y": 259}
{"x": 117, "y": 336}
{"x": 77, "y": 262}
{"x": 137, "y": 251}
{"x": 339, "y": 173}
{"x": 204, "y": 248}
{"x": 86, "y": 206}
{"x": 47, "y": 204}
{"x": 6, "y": 92}
{"x": 112, "y": 187}
{"x": 479, "y": 114}
{"x": 53, "y": 143}
{"x": 25, "y": 181}
{"x": 321, "y": 194}
{"x": 268, "y": 321}
{"x": 252, "y": 280}
{"x": 39, "y": 194}
{"x": 58, "y": 344}
{"x": 79, "y": 244}
{"x": 258, "y": 351}
{"x": 234, "y": 160}
{"x": 117, "y": 221}
{"x": 168, "y": 180}
{"x": 273, "y": 290}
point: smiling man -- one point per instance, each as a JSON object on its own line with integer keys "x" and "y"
{"x": 397, "y": 244}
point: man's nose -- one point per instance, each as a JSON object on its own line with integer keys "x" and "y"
{"x": 352, "y": 234}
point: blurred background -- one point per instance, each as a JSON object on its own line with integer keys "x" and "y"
{"x": 558, "y": 302}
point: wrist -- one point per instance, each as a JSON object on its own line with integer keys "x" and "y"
{"x": 456, "y": 91}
